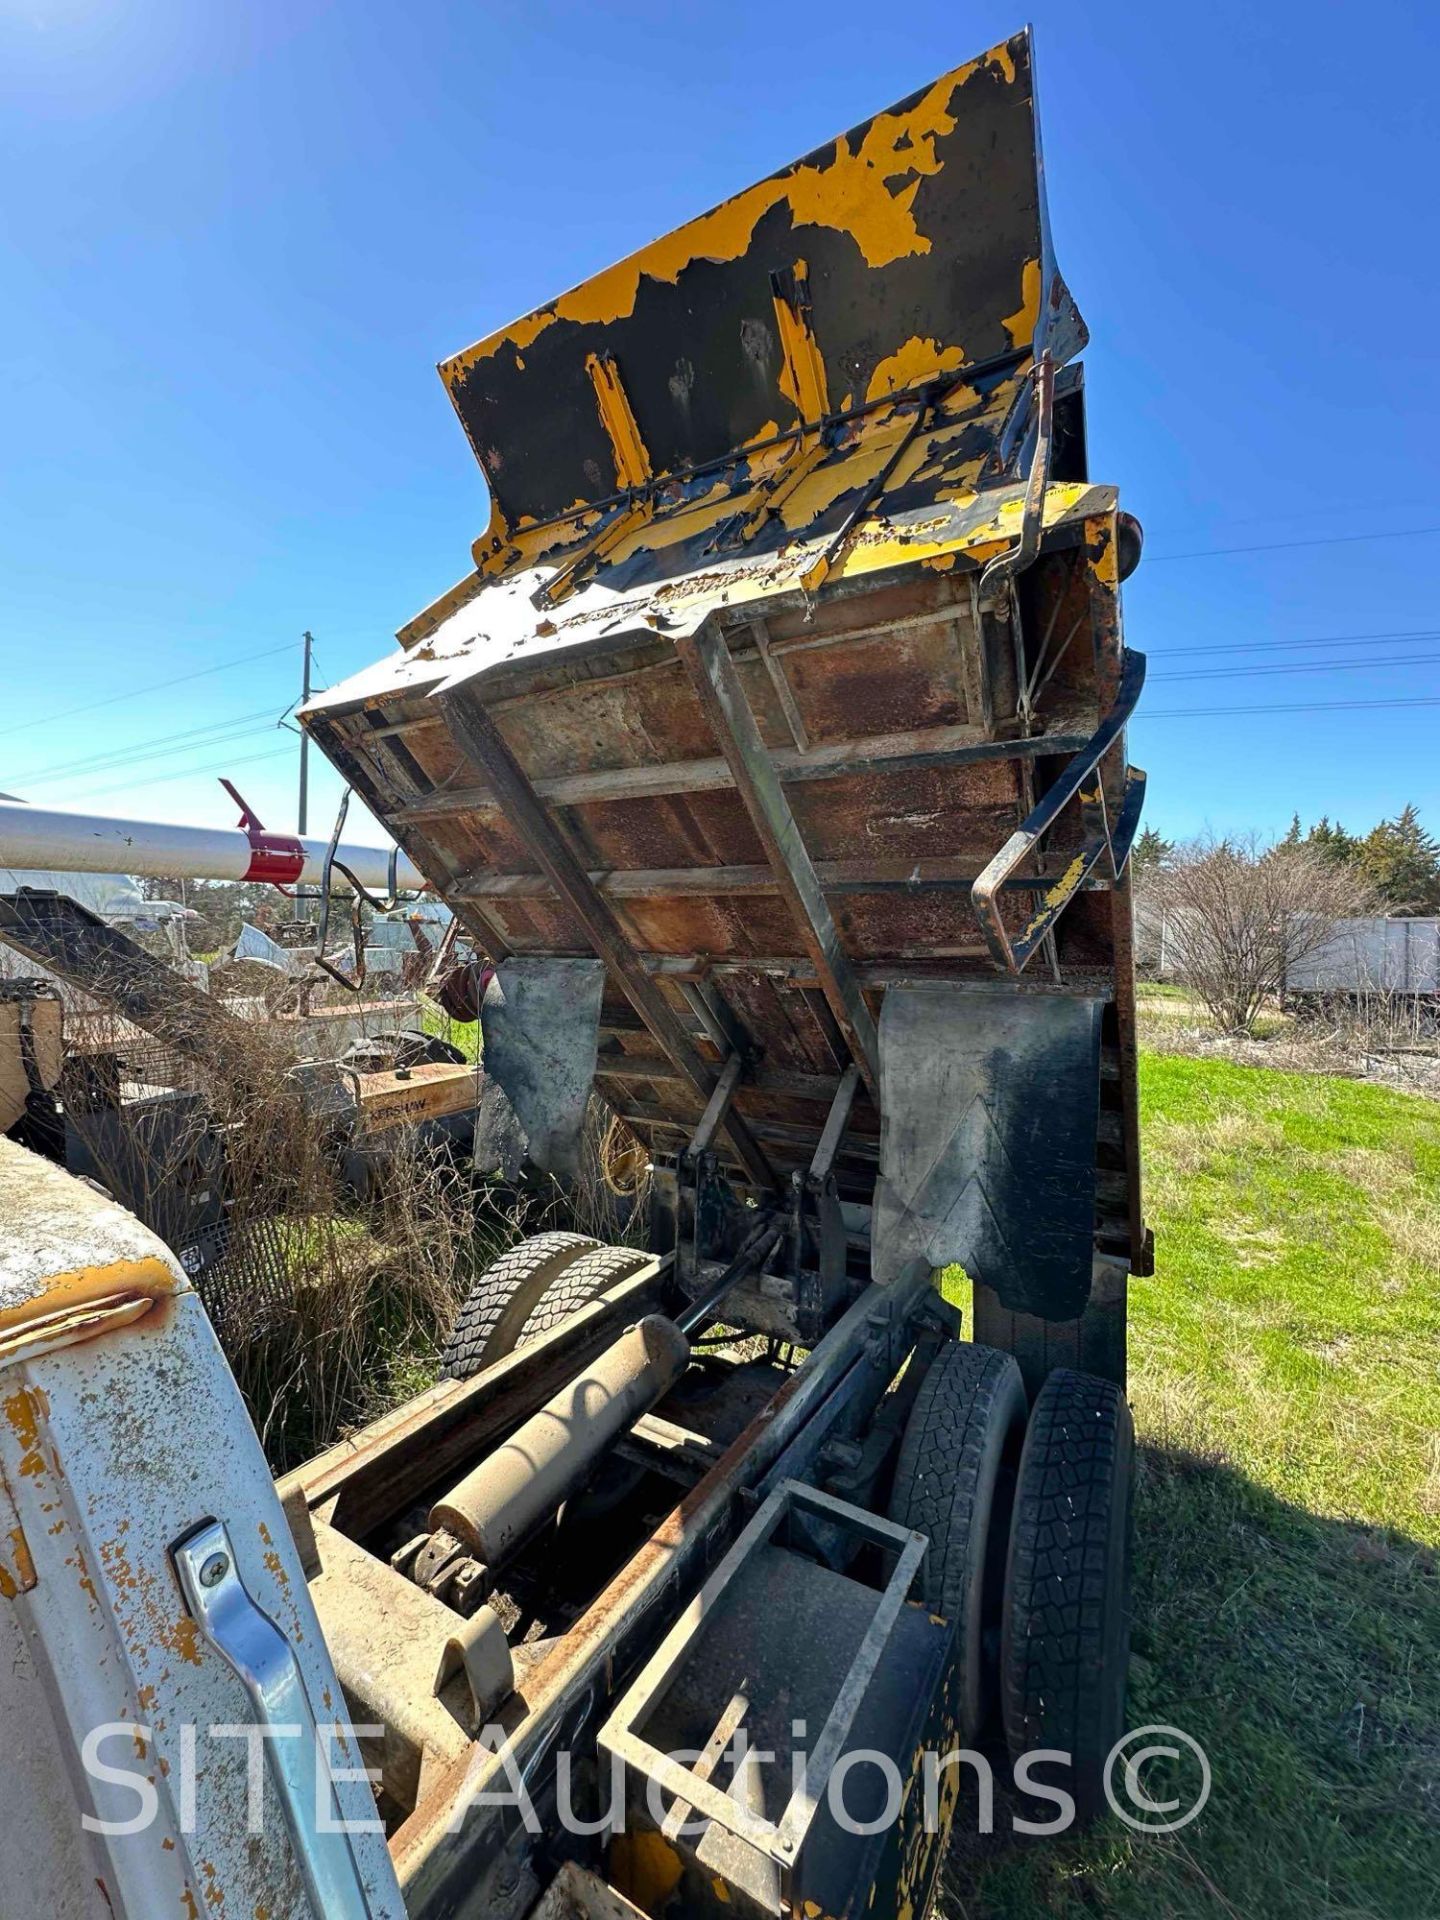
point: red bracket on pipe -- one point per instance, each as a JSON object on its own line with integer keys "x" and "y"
{"x": 275, "y": 858}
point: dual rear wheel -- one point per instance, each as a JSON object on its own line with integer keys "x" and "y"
{"x": 1029, "y": 1525}
{"x": 1027, "y": 1511}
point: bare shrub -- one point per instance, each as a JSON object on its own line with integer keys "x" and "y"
{"x": 332, "y": 1262}
{"x": 1241, "y": 913}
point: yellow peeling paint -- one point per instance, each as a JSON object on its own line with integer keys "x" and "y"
{"x": 1100, "y": 537}
{"x": 1003, "y": 61}
{"x": 632, "y": 462}
{"x": 867, "y": 193}
{"x": 876, "y": 547}
{"x": 685, "y": 525}
{"x": 1057, "y": 895}
{"x": 908, "y": 366}
{"x": 786, "y": 476}
{"x": 1021, "y": 324}
{"x": 802, "y": 370}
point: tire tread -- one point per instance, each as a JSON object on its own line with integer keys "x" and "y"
{"x": 509, "y": 1288}
{"x": 577, "y": 1285}
{"x": 1062, "y": 1641}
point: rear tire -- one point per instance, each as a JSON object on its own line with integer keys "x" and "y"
{"x": 1066, "y": 1642}
{"x": 577, "y": 1284}
{"x": 503, "y": 1298}
{"x": 954, "y": 1481}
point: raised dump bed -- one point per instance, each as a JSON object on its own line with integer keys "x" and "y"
{"x": 790, "y": 673}
{"x": 774, "y": 754}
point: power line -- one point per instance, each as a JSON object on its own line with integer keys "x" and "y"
{"x": 1300, "y": 666}
{"x": 138, "y": 751}
{"x": 192, "y": 773}
{"x": 141, "y": 750}
{"x": 1303, "y": 706}
{"x": 1319, "y": 640}
{"x": 157, "y": 686}
{"x": 1283, "y": 546}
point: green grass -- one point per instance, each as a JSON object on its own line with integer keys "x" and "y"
{"x": 464, "y": 1034}
{"x": 1284, "y": 1370}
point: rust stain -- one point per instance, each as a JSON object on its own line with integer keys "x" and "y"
{"x": 24, "y": 1414}
{"x": 21, "y": 1576}
{"x": 144, "y": 1608}
{"x": 184, "y": 1640}
{"x": 80, "y": 1287}
{"x": 82, "y": 1573}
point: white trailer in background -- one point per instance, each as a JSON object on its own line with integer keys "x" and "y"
{"x": 1395, "y": 957}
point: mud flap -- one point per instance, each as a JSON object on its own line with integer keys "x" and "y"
{"x": 990, "y": 1103}
{"x": 540, "y": 1022}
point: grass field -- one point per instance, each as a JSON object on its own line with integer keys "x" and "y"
{"x": 1285, "y": 1375}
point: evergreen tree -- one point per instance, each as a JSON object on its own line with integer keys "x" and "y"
{"x": 1402, "y": 862}
{"x": 1150, "y": 852}
{"x": 1332, "y": 842}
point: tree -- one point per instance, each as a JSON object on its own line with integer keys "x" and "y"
{"x": 1240, "y": 914}
{"x": 1331, "y": 843}
{"x": 1149, "y": 853}
{"x": 1402, "y": 862}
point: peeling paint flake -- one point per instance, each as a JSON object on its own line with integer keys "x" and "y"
{"x": 867, "y": 193}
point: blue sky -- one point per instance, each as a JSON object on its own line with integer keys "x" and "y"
{"x": 236, "y": 239}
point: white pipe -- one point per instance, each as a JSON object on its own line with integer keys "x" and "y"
{"x": 38, "y": 837}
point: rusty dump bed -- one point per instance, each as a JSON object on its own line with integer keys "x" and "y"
{"x": 790, "y": 666}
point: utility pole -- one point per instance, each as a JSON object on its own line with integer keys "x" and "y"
{"x": 302, "y": 825}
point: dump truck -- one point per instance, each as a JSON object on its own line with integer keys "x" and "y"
{"x": 773, "y": 754}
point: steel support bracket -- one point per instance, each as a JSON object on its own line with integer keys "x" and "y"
{"x": 722, "y": 699}
{"x": 1106, "y": 846}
